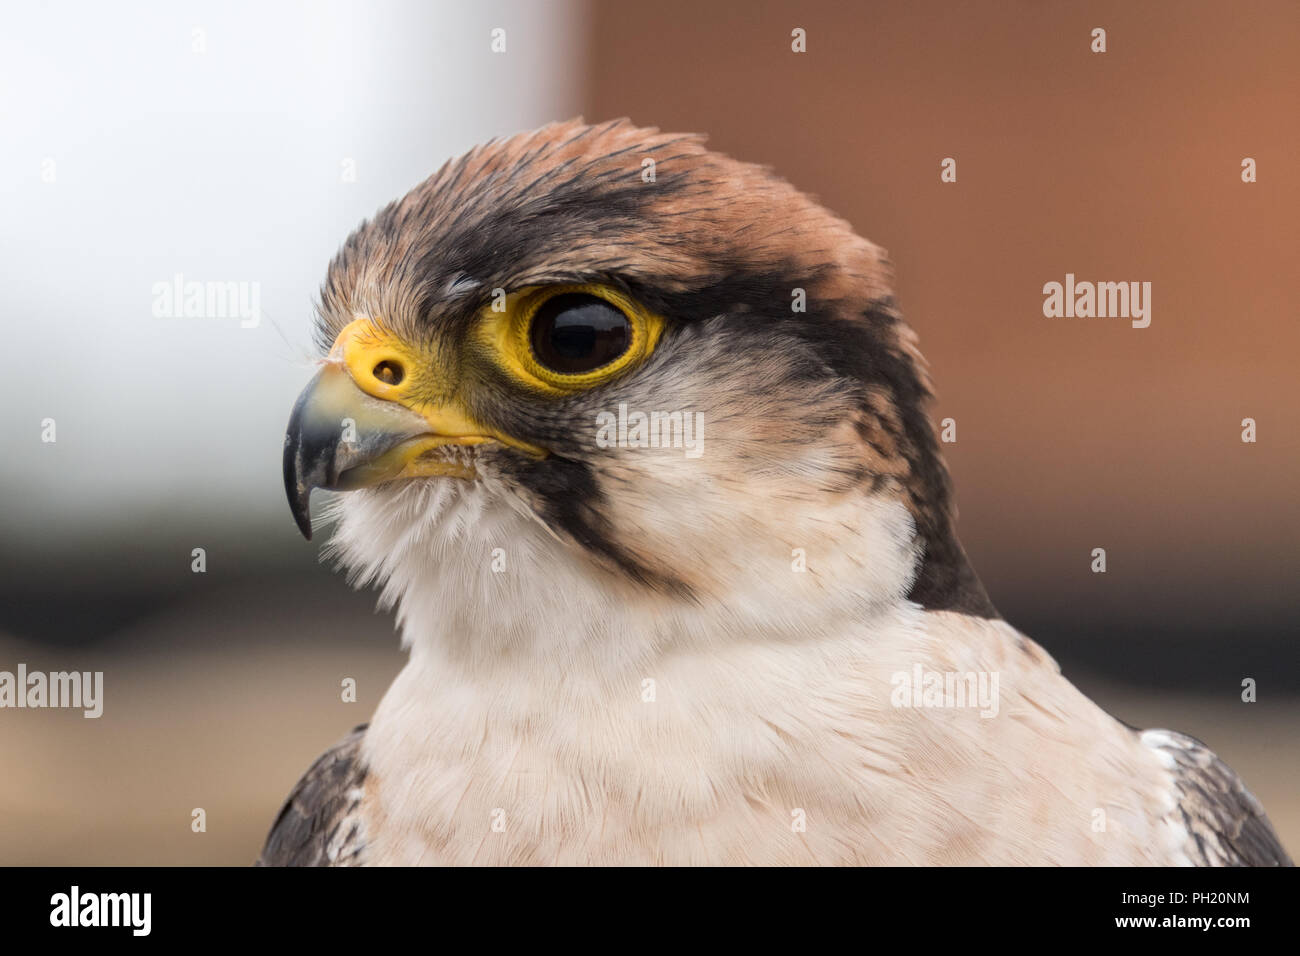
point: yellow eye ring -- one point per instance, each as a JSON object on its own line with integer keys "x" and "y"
{"x": 510, "y": 332}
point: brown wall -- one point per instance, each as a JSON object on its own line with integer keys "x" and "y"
{"x": 1072, "y": 433}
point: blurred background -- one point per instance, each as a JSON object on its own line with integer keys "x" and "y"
{"x": 241, "y": 142}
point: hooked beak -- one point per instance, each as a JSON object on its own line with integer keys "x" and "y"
{"x": 360, "y": 421}
{"x": 339, "y": 438}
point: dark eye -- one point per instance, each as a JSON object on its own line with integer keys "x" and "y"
{"x": 574, "y": 333}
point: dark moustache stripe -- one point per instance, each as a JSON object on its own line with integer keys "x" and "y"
{"x": 572, "y": 503}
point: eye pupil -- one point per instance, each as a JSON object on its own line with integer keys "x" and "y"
{"x": 575, "y": 332}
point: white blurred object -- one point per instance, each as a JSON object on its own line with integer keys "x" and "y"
{"x": 225, "y": 143}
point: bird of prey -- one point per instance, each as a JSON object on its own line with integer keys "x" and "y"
{"x": 634, "y": 438}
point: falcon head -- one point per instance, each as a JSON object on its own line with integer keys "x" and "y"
{"x": 603, "y": 370}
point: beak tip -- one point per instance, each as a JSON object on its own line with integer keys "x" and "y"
{"x": 298, "y": 493}
{"x": 303, "y": 520}
{"x": 299, "y": 502}
{"x": 300, "y": 505}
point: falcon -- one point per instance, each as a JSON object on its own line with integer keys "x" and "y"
{"x": 621, "y": 653}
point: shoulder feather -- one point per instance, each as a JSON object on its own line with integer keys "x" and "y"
{"x": 319, "y": 824}
{"x": 1225, "y": 824}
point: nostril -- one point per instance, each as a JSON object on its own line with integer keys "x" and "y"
{"x": 390, "y": 373}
